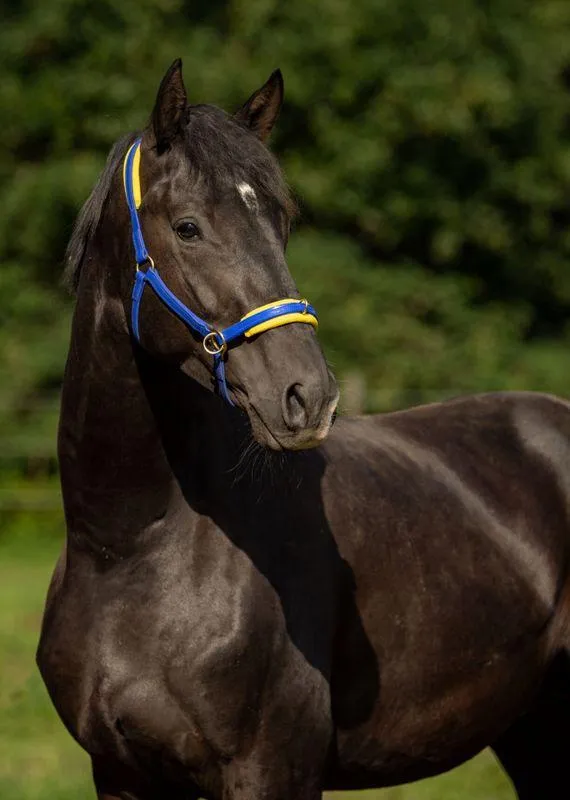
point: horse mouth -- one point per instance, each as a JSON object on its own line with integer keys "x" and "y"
{"x": 306, "y": 439}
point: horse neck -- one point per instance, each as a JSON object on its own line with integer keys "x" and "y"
{"x": 131, "y": 429}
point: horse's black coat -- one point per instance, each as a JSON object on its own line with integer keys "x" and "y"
{"x": 365, "y": 613}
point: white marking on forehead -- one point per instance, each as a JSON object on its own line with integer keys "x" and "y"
{"x": 248, "y": 195}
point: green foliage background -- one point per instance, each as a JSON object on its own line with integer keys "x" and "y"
{"x": 427, "y": 143}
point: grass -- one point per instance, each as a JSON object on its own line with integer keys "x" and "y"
{"x": 38, "y": 758}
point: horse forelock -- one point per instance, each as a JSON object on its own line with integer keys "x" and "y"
{"x": 225, "y": 152}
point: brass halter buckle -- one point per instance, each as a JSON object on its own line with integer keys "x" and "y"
{"x": 211, "y": 343}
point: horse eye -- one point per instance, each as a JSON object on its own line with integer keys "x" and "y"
{"x": 187, "y": 230}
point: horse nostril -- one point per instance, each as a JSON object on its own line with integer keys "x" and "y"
{"x": 294, "y": 407}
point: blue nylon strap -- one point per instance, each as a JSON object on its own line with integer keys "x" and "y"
{"x": 230, "y": 334}
{"x": 147, "y": 273}
{"x": 238, "y": 329}
{"x": 178, "y": 308}
{"x": 220, "y": 374}
{"x": 175, "y": 305}
{"x": 138, "y": 289}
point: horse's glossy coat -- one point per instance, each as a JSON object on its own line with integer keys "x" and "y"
{"x": 369, "y": 612}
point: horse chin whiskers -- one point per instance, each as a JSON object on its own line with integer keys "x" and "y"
{"x": 268, "y": 439}
{"x": 308, "y": 441}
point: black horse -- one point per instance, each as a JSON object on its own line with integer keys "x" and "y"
{"x": 363, "y": 613}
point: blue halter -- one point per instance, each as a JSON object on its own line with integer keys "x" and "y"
{"x": 215, "y": 342}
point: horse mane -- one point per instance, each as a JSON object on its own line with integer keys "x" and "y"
{"x": 90, "y": 214}
{"x": 219, "y": 148}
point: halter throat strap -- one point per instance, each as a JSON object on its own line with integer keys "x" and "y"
{"x": 215, "y": 341}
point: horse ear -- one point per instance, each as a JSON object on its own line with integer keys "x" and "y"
{"x": 262, "y": 109}
{"x": 169, "y": 107}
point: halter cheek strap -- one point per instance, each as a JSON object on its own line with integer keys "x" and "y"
{"x": 214, "y": 341}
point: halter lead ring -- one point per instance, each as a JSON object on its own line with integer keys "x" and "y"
{"x": 215, "y": 342}
{"x": 211, "y": 343}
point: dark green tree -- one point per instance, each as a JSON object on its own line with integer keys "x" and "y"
{"x": 427, "y": 143}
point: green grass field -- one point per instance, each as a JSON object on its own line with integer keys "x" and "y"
{"x": 38, "y": 759}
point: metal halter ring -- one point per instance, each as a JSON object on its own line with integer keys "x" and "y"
{"x": 148, "y": 260}
{"x": 306, "y": 304}
{"x": 211, "y": 343}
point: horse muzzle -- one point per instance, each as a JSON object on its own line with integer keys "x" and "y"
{"x": 302, "y": 419}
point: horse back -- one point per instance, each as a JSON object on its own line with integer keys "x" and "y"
{"x": 499, "y": 463}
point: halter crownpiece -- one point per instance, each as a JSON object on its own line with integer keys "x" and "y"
{"x": 214, "y": 341}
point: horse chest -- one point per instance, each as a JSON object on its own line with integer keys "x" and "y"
{"x": 175, "y": 670}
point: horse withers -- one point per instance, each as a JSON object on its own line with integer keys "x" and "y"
{"x": 366, "y": 606}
